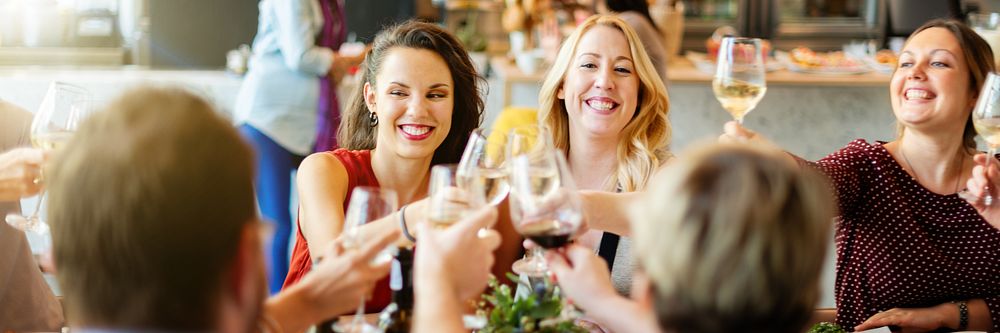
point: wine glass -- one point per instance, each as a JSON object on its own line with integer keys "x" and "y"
{"x": 544, "y": 194}
{"x": 986, "y": 119}
{"x": 367, "y": 204}
{"x": 483, "y": 161}
{"x": 739, "y": 76}
{"x": 63, "y": 108}
{"x": 533, "y": 141}
{"x": 452, "y": 196}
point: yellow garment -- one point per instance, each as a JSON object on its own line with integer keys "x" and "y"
{"x": 511, "y": 117}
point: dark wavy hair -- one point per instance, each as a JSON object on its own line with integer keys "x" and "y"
{"x": 355, "y": 133}
{"x": 640, "y": 6}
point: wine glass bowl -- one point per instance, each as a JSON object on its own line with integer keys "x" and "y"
{"x": 986, "y": 120}
{"x": 63, "y": 108}
{"x": 484, "y": 161}
{"x": 452, "y": 196}
{"x": 546, "y": 208}
{"x": 739, "y": 81}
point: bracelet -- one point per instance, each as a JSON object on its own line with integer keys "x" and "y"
{"x": 963, "y": 315}
{"x": 402, "y": 224}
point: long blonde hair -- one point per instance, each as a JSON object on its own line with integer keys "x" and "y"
{"x": 644, "y": 139}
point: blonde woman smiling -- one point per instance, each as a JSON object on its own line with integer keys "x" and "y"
{"x": 607, "y": 108}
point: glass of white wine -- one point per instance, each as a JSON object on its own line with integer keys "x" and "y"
{"x": 986, "y": 119}
{"x": 739, "y": 82}
{"x": 484, "y": 158}
{"x": 534, "y": 143}
{"x": 366, "y": 204}
{"x": 450, "y": 198}
{"x": 63, "y": 108}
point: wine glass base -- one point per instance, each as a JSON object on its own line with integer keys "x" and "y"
{"x": 530, "y": 266}
{"x": 356, "y": 327}
{"x": 17, "y": 221}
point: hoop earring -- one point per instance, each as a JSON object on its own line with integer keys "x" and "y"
{"x": 372, "y": 119}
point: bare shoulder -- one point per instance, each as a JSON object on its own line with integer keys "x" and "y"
{"x": 324, "y": 168}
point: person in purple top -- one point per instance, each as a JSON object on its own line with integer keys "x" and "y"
{"x": 911, "y": 252}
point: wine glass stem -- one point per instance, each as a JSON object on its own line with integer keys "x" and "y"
{"x": 539, "y": 254}
{"x": 38, "y": 206}
{"x": 359, "y": 314}
{"x": 988, "y": 199}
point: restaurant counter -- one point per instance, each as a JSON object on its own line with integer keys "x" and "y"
{"x": 26, "y": 85}
{"x": 810, "y": 115}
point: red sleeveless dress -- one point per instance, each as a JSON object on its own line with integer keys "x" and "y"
{"x": 358, "y": 164}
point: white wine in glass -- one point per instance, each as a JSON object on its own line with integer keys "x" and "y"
{"x": 483, "y": 162}
{"x": 986, "y": 119}
{"x": 63, "y": 108}
{"x": 739, "y": 82}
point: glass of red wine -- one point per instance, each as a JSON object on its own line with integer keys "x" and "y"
{"x": 534, "y": 142}
{"x": 545, "y": 207}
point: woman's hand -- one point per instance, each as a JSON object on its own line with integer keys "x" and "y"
{"x": 913, "y": 320}
{"x": 733, "y": 132}
{"x": 456, "y": 260}
{"x": 582, "y": 275}
{"x": 340, "y": 279}
{"x": 985, "y": 182}
{"x": 20, "y": 173}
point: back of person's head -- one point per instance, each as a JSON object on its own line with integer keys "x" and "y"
{"x": 733, "y": 240}
{"x": 355, "y": 131}
{"x": 644, "y": 140}
{"x": 147, "y": 204}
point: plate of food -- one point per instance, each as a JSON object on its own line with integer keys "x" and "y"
{"x": 805, "y": 60}
{"x": 707, "y": 65}
{"x": 883, "y": 61}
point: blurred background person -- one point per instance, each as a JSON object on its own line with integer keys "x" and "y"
{"x": 728, "y": 240}
{"x": 287, "y": 106}
{"x": 636, "y": 14}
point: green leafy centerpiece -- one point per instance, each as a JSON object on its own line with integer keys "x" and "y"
{"x": 538, "y": 312}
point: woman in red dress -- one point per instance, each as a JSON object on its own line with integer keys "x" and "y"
{"x": 419, "y": 102}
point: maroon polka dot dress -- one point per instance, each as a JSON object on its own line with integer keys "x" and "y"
{"x": 900, "y": 245}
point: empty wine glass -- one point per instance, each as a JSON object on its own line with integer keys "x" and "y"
{"x": 532, "y": 141}
{"x": 450, "y": 196}
{"x": 986, "y": 119}
{"x": 483, "y": 162}
{"x": 739, "y": 82}
{"x": 367, "y": 204}
{"x": 63, "y": 108}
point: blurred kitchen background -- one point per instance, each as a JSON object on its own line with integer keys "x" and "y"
{"x": 198, "y": 33}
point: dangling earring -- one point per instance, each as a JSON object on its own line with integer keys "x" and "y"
{"x": 372, "y": 119}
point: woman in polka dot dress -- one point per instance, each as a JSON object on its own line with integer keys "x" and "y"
{"x": 910, "y": 252}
